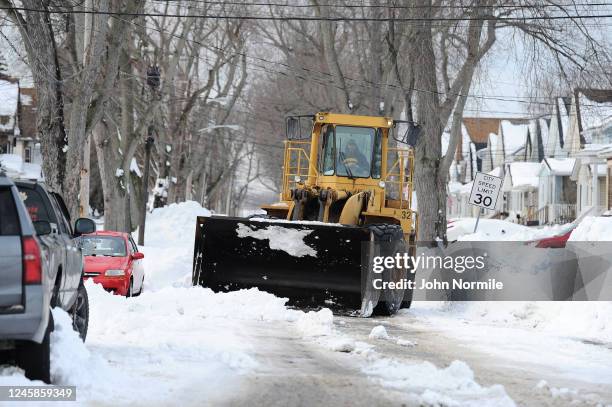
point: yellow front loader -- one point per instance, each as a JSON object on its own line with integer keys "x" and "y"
{"x": 346, "y": 198}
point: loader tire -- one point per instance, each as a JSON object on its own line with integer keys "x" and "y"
{"x": 407, "y": 302}
{"x": 391, "y": 240}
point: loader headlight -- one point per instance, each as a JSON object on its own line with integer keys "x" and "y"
{"x": 381, "y": 184}
{"x": 297, "y": 179}
{"x": 114, "y": 273}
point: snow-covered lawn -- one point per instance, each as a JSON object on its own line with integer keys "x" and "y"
{"x": 177, "y": 344}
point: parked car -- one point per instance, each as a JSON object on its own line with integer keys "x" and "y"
{"x": 558, "y": 241}
{"x": 113, "y": 260}
{"x": 40, "y": 268}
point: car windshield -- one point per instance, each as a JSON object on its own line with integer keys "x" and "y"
{"x": 103, "y": 246}
{"x": 354, "y": 151}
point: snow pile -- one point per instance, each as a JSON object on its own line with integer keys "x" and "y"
{"x": 291, "y": 241}
{"x": 568, "y": 396}
{"x": 406, "y": 343}
{"x": 169, "y": 242}
{"x": 15, "y": 167}
{"x": 593, "y": 229}
{"x": 498, "y": 230}
{"x": 192, "y": 337}
{"x": 379, "y": 332}
{"x": 316, "y": 323}
{"x": 174, "y": 224}
{"x": 428, "y": 385}
{"x": 72, "y": 364}
{"x": 591, "y": 321}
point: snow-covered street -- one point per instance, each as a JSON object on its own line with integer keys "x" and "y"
{"x": 181, "y": 345}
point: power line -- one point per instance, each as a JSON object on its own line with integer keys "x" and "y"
{"x": 322, "y": 82}
{"x": 311, "y": 18}
{"x": 385, "y": 6}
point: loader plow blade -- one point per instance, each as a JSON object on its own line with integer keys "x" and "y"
{"x": 312, "y": 264}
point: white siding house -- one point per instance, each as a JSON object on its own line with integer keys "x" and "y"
{"x": 520, "y": 191}
{"x": 556, "y": 191}
{"x": 590, "y": 133}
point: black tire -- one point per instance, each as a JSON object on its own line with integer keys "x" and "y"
{"x": 390, "y": 237}
{"x": 79, "y": 312}
{"x": 56, "y": 291}
{"x": 407, "y": 302}
{"x": 130, "y": 291}
{"x": 141, "y": 288}
{"x": 34, "y": 358}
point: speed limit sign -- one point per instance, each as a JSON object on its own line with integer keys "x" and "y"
{"x": 485, "y": 190}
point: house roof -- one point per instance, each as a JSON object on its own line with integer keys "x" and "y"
{"x": 479, "y": 128}
{"x": 595, "y": 113}
{"x": 515, "y": 136}
{"x": 560, "y": 166}
{"x": 524, "y": 174}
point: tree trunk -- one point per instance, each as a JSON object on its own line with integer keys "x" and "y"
{"x": 431, "y": 201}
{"x": 114, "y": 206}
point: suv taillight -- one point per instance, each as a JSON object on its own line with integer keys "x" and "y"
{"x": 32, "y": 267}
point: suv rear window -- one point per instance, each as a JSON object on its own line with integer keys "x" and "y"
{"x": 37, "y": 208}
{"x": 9, "y": 221}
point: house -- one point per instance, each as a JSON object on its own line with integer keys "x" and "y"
{"x": 487, "y": 145}
{"x": 9, "y": 98}
{"x": 589, "y": 173}
{"x": 556, "y": 191}
{"x": 27, "y": 142}
{"x": 558, "y": 126}
{"x": 458, "y": 195}
{"x": 520, "y": 192}
{"x": 18, "y": 132}
{"x": 606, "y": 154}
{"x": 475, "y": 133}
{"x": 589, "y": 136}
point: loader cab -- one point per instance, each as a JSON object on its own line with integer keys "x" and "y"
{"x": 350, "y": 151}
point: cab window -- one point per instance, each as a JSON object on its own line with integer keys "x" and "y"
{"x": 354, "y": 151}
{"x": 327, "y": 152}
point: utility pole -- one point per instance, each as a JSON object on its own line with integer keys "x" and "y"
{"x": 145, "y": 186}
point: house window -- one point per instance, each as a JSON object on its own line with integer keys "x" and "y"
{"x": 27, "y": 155}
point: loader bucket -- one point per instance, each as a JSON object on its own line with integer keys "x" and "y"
{"x": 311, "y": 263}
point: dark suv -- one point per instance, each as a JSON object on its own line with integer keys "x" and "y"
{"x": 41, "y": 266}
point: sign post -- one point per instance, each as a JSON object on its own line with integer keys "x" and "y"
{"x": 485, "y": 191}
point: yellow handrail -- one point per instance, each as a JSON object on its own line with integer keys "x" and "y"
{"x": 396, "y": 175}
{"x": 296, "y": 164}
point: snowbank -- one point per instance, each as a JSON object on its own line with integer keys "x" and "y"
{"x": 497, "y": 230}
{"x": 428, "y": 385}
{"x": 169, "y": 241}
{"x": 593, "y": 229}
{"x": 591, "y": 321}
{"x": 173, "y": 225}
{"x": 15, "y": 167}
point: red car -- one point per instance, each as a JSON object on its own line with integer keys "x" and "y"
{"x": 113, "y": 260}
